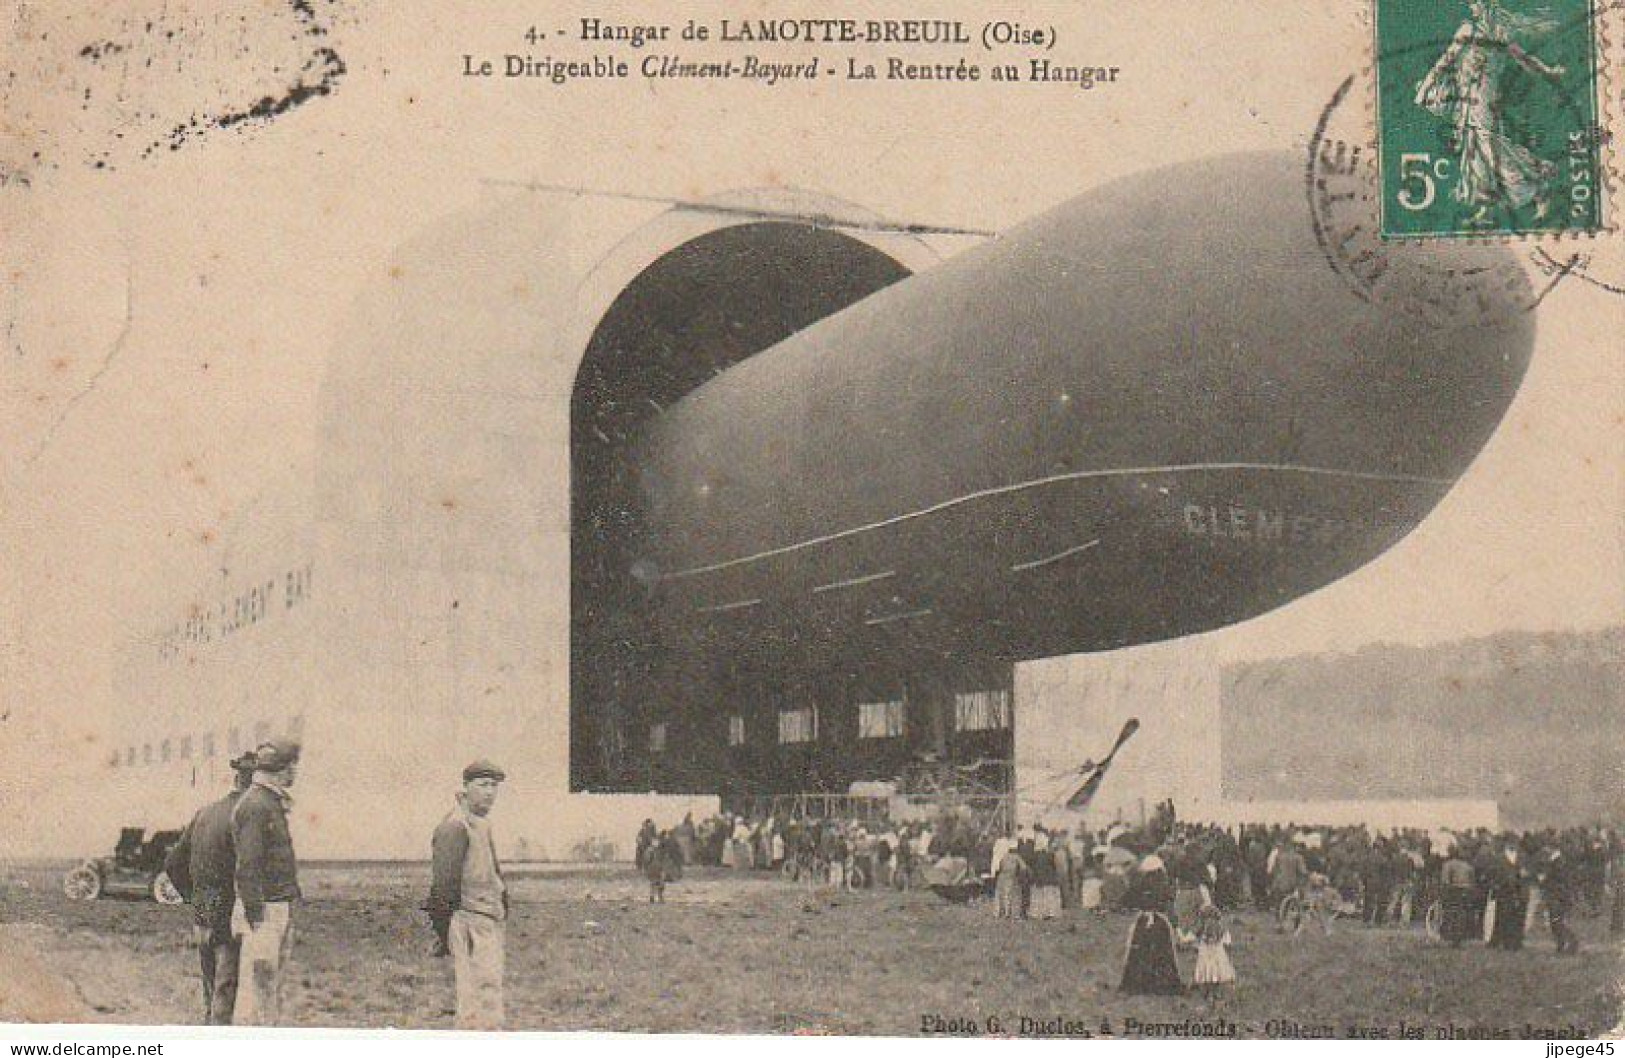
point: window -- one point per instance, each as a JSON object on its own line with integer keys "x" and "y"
{"x": 129, "y": 756}
{"x": 798, "y": 725}
{"x": 186, "y": 747}
{"x": 736, "y": 731}
{"x": 880, "y": 719}
{"x": 163, "y": 751}
{"x": 146, "y": 753}
{"x": 657, "y": 738}
{"x": 982, "y": 711}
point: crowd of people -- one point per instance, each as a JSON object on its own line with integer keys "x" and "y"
{"x": 847, "y": 853}
{"x": 1182, "y": 879}
{"x": 235, "y": 865}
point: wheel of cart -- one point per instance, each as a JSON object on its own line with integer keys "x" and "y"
{"x": 952, "y": 879}
{"x": 855, "y": 877}
{"x": 1289, "y": 914}
{"x": 959, "y": 893}
{"x": 84, "y": 882}
{"x": 1342, "y": 906}
{"x": 164, "y": 891}
{"x": 1433, "y": 921}
{"x": 1350, "y": 904}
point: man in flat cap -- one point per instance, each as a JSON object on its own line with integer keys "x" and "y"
{"x": 468, "y": 902}
{"x": 200, "y": 866}
{"x": 267, "y": 883}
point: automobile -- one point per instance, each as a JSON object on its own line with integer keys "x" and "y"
{"x": 136, "y": 868}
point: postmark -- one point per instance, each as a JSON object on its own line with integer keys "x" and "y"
{"x": 1600, "y": 267}
{"x": 1477, "y": 286}
{"x": 1488, "y": 119}
{"x": 147, "y": 78}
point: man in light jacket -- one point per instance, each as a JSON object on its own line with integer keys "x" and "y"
{"x": 468, "y": 901}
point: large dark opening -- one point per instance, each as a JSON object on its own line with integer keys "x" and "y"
{"x": 695, "y": 312}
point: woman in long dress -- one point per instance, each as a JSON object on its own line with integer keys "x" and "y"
{"x": 739, "y": 847}
{"x": 1008, "y": 882}
{"x": 1465, "y": 86}
{"x": 1065, "y": 870}
{"x": 1149, "y": 965}
{"x": 1456, "y": 901}
{"x": 1046, "y": 900}
{"x": 1186, "y": 873}
{"x": 1509, "y": 900}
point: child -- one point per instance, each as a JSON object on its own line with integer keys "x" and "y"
{"x": 661, "y": 865}
{"x": 1213, "y": 967}
{"x": 1092, "y": 892}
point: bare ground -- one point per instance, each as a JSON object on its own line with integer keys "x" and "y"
{"x": 732, "y": 953}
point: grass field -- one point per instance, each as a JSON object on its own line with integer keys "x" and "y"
{"x": 739, "y": 954}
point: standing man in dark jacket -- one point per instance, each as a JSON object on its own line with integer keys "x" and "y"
{"x": 201, "y": 865}
{"x": 1509, "y": 888}
{"x": 1560, "y": 884}
{"x": 267, "y": 883}
{"x": 468, "y": 900}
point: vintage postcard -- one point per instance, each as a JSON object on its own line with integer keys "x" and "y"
{"x": 1011, "y": 519}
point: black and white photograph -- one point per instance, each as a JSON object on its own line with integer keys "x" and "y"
{"x": 1004, "y": 521}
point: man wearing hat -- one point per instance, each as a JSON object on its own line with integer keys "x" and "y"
{"x": 468, "y": 901}
{"x": 267, "y": 882}
{"x": 200, "y": 866}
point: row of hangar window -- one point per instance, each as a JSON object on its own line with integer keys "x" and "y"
{"x": 973, "y": 711}
{"x": 184, "y": 747}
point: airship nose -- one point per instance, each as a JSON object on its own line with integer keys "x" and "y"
{"x": 1173, "y": 403}
{"x": 1220, "y": 296}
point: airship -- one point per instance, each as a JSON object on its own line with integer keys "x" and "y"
{"x": 1153, "y": 411}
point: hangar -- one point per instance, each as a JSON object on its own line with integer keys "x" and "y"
{"x": 763, "y": 496}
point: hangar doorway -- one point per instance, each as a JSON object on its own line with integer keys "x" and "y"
{"x": 698, "y": 309}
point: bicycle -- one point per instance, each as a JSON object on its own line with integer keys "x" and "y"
{"x": 806, "y": 866}
{"x": 1289, "y": 913}
{"x": 855, "y": 876}
{"x": 1317, "y": 902}
{"x": 1433, "y": 921}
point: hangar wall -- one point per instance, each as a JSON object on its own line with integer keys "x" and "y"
{"x": 223, "y": 667}
{"x": 440, "y": 537}
{"x": 1069, "y": 710}
{"x": 432, "y": 543}
{"x": 442, "y": 532}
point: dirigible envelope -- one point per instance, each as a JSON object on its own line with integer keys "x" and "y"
{"x": 1153, "y": 411}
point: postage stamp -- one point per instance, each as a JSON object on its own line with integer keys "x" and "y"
{"x": 1487, "y": 118}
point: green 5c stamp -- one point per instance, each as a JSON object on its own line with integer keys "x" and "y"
{"x": 1487, "y": 118}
